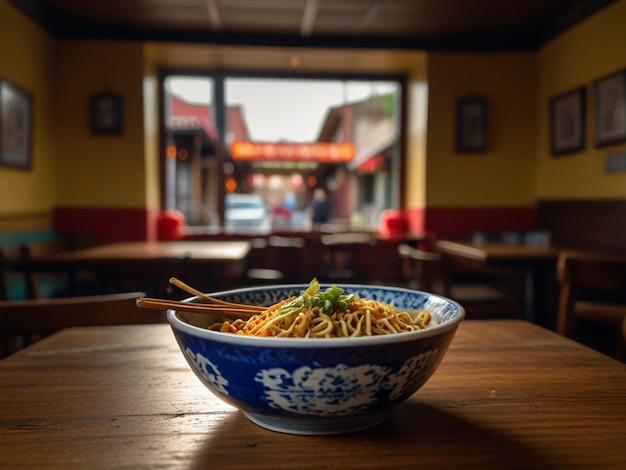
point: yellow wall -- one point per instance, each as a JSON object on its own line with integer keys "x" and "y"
{"x": 27, "y": 197}
{"x": 96, "y": 170}
{"x": 576, "y": 58}
{"x": 504, "y": 174}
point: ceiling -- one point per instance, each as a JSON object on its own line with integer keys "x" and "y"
{"x": 455, "y": 25}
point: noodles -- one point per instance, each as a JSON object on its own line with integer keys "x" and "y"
{"x": 329, "y": 314}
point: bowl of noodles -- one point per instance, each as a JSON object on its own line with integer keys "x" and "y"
{"x": 318, "y": 359}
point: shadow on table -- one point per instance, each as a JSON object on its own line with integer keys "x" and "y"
{"x": 413, "y": 435}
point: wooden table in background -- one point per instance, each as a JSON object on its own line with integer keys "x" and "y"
{"x": 214, "y": 251}
{"x": 509, "y": 394}
{"x": 151, "y": 261}
{"x": 538, "y": 262}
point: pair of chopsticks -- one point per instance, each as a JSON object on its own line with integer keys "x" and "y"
{"x": 214, "y": 306}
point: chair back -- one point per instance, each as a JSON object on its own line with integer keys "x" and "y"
{"x": 8, "y": 256}
{"x": 34, "y": 319}
{"x": 348, "y": 257}
{"x": 38, "y": 249}
{"x": 592, "y": 286}
{"x": 424, "y": 270}
{"x": 485, "y": 292}
{"x": 275, "y": 259}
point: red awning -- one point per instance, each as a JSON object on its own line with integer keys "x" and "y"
{"x": 372, "y": 165}
{"x": 372, "y": 151}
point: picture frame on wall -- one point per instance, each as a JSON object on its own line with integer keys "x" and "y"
{"x": 471, "y": 125}
{"x": 610, "y": 109}
{"x": 106, "y": 114}
{"x": 16, "y": 126}
{"x": 568, "y": 121}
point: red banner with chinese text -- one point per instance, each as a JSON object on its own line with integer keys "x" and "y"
{"x": 323, "y": 152}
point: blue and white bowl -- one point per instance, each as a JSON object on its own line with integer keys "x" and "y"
{"x": 317, "y": 385}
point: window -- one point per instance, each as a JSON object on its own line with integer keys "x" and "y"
{"x": 280, "y": 139}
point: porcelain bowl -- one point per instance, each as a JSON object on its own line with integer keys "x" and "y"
{"x": 317, "y": 386}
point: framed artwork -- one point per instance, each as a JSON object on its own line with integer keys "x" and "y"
{"x": 471, "y": 125}
{"x": 610, "y": 107}
{"x": 16, "y": 126}
{"x": 567, "y": 121}
{"x": 106, "y": 114}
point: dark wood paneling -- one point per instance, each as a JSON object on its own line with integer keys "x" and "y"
{"x": 591, "y": 225}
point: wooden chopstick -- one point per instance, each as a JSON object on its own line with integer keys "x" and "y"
{"x": 224, "y": 310}
{"x": 186, "y": 287}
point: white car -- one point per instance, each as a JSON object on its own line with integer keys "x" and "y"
{"x": 246, "y": 211}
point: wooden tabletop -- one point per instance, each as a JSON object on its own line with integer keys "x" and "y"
{"x": 508, "y": 394}
{"x": 147, "y": 250}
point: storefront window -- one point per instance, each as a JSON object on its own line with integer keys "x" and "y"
{"x": 276, "y": 140}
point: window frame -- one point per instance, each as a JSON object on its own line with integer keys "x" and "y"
{"x": 221, "y": 75}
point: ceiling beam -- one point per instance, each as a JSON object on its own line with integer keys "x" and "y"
{"x": 214, "y": 14}
{"x": 370, "y": 15}
{"x": 308, "y": 17}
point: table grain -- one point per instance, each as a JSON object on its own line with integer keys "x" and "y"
{"x": 508, "y": 394}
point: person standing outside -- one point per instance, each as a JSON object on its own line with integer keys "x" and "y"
{"x": 319, "y": 208}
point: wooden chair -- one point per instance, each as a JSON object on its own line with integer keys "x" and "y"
{"x": 346, "y": 257}
{"x": 36, "y": 278}
{"x": 433, "y": 272}
{"x": 593, "y": 289}
{"x": 275, "y": 259}
{"x": 423, "y": 270}
{"x": 8, "y": 256}
{"x": 23, "y": 322}
{"x": 150, "y": 276}
{"x": 45, "y": 282}
{"x": 494, "y": 296}
{"x": 620, "y": 348}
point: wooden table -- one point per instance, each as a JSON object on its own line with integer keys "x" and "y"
{"x": 215, "y": 251}
{"x": 508, "y": 394}
{"x": 537, "y": 261}
{"x": 498, "y": 252}
{"x": 193, "y": 261}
